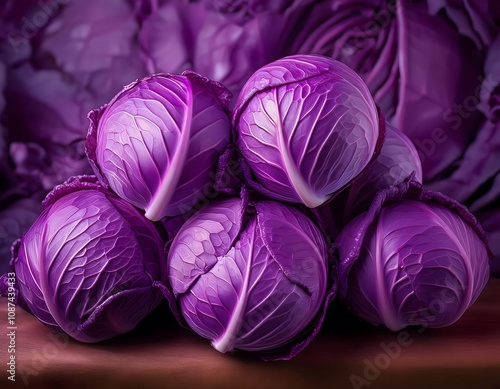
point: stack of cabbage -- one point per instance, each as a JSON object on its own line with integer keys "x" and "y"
{"x": 249, "y": 220}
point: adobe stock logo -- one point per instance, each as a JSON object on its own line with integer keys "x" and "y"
{"x": 454, "y": 116}
{"x": 361, "y": 37}
{"x": 37, "y": 20}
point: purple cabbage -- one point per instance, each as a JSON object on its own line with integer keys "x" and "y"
{"x": 416, "y": 257}
{"x": 89, "y": 263}
{"x": 251, "y": 278}
{"x": 156, "y": 144}
{"x": 161, "y": 155}
{"x": 306, "y": 126}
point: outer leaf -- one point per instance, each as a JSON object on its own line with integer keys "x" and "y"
{"x": 209, "y": 136}
{"x": 28, "y": 279}
{"x": 306, "y": 126}
{"x": 296, "y": 244}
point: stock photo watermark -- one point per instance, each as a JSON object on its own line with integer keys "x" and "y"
{"x": 40, "y": 358}
{"x": 31, "y": 25}
{"x": 210, "y": 192}
{"x": 454, "y": 116}
{"x": 53, "y": 342}
{"x": 390, "y": 351}
{"x": 381, "y": 19}
{"x": 11, "y": 326}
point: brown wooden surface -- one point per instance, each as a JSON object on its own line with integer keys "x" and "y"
{"x": 160, "y": 354}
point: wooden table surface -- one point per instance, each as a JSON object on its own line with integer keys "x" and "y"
{"x": 346, "y": 354}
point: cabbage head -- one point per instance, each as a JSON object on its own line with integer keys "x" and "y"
{"x": 251, "y": 277}
{"x": 88, "y": 264}
{"x": 306, "y": 126}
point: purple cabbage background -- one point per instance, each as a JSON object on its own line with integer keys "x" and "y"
{"x": 432, "y": 66}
